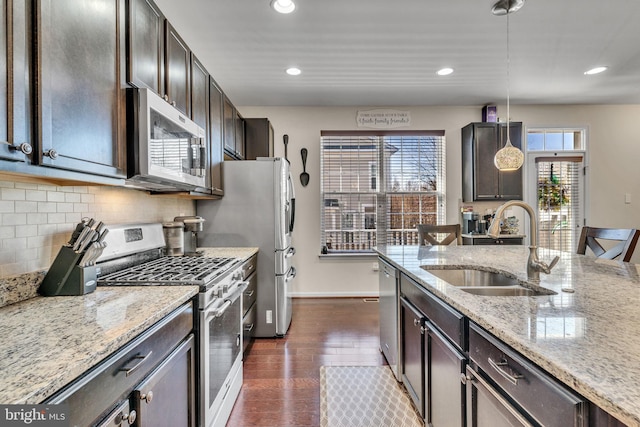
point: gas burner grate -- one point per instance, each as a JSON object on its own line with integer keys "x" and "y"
{"x": 187, "y": 270}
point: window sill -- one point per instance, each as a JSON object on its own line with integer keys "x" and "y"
{"x": 350, "y": 255}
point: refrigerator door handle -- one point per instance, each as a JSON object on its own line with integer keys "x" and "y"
{"x": 291, "y": 275}
{"x": 293, "y": 215}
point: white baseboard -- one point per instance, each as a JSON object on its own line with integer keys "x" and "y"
{"x": 334, "y": 294}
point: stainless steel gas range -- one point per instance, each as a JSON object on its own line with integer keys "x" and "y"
{"x": 134, "y": 256}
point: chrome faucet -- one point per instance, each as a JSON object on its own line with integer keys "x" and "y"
{"x": 534, "y": 265}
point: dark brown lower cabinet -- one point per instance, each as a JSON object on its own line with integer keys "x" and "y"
{"x": 412, "y": 353}
{"x": 167, "y": 396}
{"x": 445, "y": 393}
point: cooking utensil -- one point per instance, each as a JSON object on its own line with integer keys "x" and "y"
{"x": 286, "y": 141}
{"x": 304, "y": 176}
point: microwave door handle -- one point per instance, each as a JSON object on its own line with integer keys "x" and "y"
{"x": 203, "y": 158}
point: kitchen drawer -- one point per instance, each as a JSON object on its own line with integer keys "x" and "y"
{"x": 249, "y": 267}
{"x": 250, "y": 294}
{"x": 248, "y": 326}
{"x": 536, "y": 392}
{"x": 449, "y": 321}
{"x": 103, "y": 386}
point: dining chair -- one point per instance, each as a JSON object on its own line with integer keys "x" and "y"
{"x": 428, "y": 234}
{"x": 593, "y": 237}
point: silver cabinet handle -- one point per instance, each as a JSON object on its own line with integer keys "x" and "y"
{"x": 147, "y": 397}
{"x": 52, "y": 154}
{"x": 248, "y": 328}
{"x": 137, "y": 361}
{"x": 130, "y": 418}
{"x": 25, "y": 147}
{"x": 498, "y": 366}
{"x": 250, "y": 293}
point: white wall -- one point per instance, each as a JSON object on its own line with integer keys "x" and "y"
{"x": 614, "y": 147}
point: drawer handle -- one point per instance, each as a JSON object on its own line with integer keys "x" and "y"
{"x": 509, "y": 376}
{"x": 248, "y": 328}
{"x": 250, "y": 293}
{"x": 137, "y": 361}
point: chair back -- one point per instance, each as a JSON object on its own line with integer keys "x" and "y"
{"x": 428, "y": 234}
{"x": 592, "y": 237}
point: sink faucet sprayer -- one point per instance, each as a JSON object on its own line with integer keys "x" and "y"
{"x": 534, "y": 265}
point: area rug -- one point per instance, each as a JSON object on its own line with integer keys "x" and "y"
{"x": 363, "y": 396}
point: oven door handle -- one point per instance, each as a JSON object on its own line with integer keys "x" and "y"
{"x": 219, "y": 312}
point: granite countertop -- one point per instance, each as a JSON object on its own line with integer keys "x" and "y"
{"x": 48, "y": 342}
{"x": 588, "y": 339}
{"x": 242, "y": 253}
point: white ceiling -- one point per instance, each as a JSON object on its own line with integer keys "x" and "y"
{"x": 386, "y": 53}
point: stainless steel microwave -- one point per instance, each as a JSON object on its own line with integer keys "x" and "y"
{"x": 166, "y": 150}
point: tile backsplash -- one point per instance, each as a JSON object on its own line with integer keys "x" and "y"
{"x": 36, "y": 219}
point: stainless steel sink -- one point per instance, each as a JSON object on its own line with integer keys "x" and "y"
{"x": 486, "y": 283}
{"x": 519, "y": 291}
{"x": 469, "y": 277}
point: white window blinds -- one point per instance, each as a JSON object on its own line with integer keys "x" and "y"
{"x": 377, "y": 186}
{"x": 559, "y": 201}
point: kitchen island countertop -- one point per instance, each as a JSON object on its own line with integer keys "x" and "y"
{"x": 588, "y": 339}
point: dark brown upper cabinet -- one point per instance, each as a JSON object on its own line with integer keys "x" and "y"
{"x": 240, "y": 141}
{"x": 145, "y": 46}
{"x": 177, "y": 70}
{"x": 481, "y": 180}
{"x": 199, "y": 93}
{"x": 79, "y": 93}
{"x": 258, "y": 138}
{"x": 15, "y": 101}
{"x": 229, "y": 127}
{"x": 216, "y": 124}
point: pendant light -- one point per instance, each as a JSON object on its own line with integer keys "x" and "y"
{"x": 508, "y": 158}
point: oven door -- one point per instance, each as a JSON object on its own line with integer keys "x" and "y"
{"x": 220, "y": 349}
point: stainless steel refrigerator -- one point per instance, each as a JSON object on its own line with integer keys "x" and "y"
{"x": 258, "y": 209}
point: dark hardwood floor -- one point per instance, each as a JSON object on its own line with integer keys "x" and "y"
{"x": 282, "y": 375}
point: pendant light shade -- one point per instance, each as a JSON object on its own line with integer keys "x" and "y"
{"x": 508, "y": 158}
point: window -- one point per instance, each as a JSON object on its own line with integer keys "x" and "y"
{"x": 377, "y": 186}
{"x": 555, "y": 139}
{"x": 556, "y": 184}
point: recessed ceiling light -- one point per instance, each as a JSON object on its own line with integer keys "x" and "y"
{"x": 283, "y": 6}
{"x": 596, "y": 70}
{"x": 294, "y": 71}
{"x": 445, "y": 71}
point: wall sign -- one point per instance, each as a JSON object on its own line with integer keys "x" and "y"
{"x": 383, "y": 119}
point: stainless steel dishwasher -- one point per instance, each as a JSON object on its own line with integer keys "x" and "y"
{"x": 389, "y": 314}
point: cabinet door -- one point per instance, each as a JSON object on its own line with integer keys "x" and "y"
{"x": 239, "y": 121}
{"x": 215, "y": 136}
{"x": 200, "y": 108}
{"x": 167, "y": 395}
{"x": 485, "y": 172}
{"x": 258, "y": 138}
{"x": 510, "y": 183}
{"x": 15, "y": 98}
{"x": 177, "y": 70}
{"x": 80, "y": 100}
{"x": 412, "y": 351}
{"x": 487, "y": 408}
{"x": 445, "y": 394}
{"x": 229, "y": 127}
{"x": 145, "y": 55}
